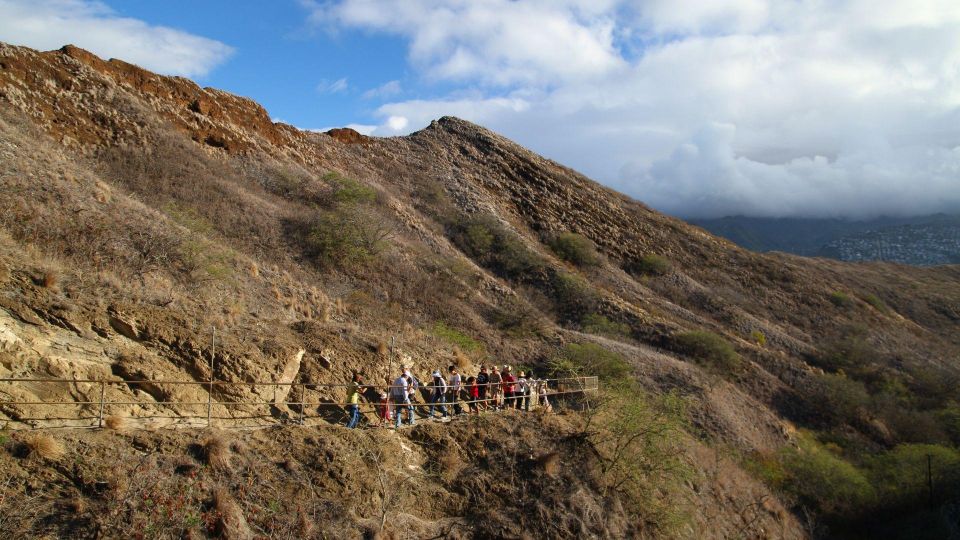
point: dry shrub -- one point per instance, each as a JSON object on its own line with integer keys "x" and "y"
{"x": 324, "y": 315}
{"x": 461, "y": 360}
{"x": 451, "y": 464}
{"x": 49, "y": 279}
{"x": 254, "y": 270}
{"x": 305, "y": 526}
{"x": 231, "y": 524}
{"x": 115, "y": 423}
{"x": 382, "y": 348}
{"x": 4, "y": 273}
{"x": 41, "y": 445}
{"x": 76, "y": 505}
{"x": 550, "y": 463}
{"x": 216, "y": 450}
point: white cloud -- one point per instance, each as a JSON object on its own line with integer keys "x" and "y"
{"x": 50, "y": 24}
{"x": 333, "y": 87}
{"x": 499, "y": 42}
{"x": 385, "y": 90}
{"x": 735, "y": 106}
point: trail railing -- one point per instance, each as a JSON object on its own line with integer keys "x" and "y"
{"x": 294, "y": 407}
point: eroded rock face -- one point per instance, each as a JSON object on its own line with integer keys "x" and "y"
{"x": 347, "y": 136}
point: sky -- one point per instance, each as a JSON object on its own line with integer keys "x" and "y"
{"x": 793, "y": 108}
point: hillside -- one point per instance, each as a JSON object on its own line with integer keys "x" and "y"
{"x": 142, "y": 212}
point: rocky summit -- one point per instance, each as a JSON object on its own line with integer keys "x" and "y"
{"x": 153, "y": 232}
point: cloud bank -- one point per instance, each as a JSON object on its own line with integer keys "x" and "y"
{"x": 756, "y": 107}
{"x": 50, "y": 24}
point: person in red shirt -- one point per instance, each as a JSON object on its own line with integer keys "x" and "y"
{"x": 473, "y": 390}
{"x": 509, "y": 387}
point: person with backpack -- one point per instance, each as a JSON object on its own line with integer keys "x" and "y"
{"x": 483, "y": 380}
{"x": 399, "y": 395}
{"x": 438, "y": 391}
{"x": 353, "y": 400}
{"x": 456, "y": 384}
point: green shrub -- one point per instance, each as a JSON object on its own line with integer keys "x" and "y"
{"x": 758, "y": 337}
{"x": 574, "y": 296}
{"x": 594, "y": 323}
{"x": 575, "y": 248}
{"x": 652, "y": 265}
{"x": 822, "y": 480}
{"x": 592, "y": 359}
{"x": 637, "y": 439}
{"x": 841, "y": 299}
{"x": 876, "y": 302}
{"x": 456, "y": 337}
{"x": 900, "y": 475}
{"x": 835, "y": 399}
{"x": 348, "y": 235}
{"x": 709, "y": 349}
{"x": 349, "y": 191}
{"x": 488, "y": 242}
{"x": 518, "y": 319}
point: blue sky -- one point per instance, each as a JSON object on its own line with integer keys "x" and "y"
{"x": 282, "y": 61}
{"x": 793, "y": 108}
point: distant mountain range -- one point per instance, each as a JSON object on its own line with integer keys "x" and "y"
{"x": 923, "y": 241}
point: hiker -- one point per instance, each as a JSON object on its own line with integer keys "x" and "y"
{"x": 353, "y": 400}
{"x": 384, "y": 409}
{"x": 496, "y": 390}
{"x": 438, "y": 390}
{"x": 473, "y": 393}
{"x": 401, "y": 399}
{"x": 509, "y": 387}
{"x": 523, "y": 392}
{"x": 413, "y": 386}
{"x": 482, "y": 381}
{"x": 542, "y": 393}
{"x": 456, "y": 384}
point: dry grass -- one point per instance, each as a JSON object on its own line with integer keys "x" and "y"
{"x": 43, "y": 446}
{"x": 382, "y": 348}
{"x": 461, "y": 360}
{"x": 231, "y": 524}
{"x": 4, "y": 273}
{"x": 216, "y": 450}
{"x": 115, "y": 423}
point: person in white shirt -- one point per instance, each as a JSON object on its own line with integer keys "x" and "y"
{"x": 401, "y": 398}
{"x": 456, "y": 384}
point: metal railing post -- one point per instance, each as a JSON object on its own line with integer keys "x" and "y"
{"x": 213, "y": 357}
{"x": 300, "y": 420}
{"x": 103, "y": 391}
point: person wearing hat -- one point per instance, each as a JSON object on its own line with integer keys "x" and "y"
{"x": 438, "y": 390}
{"x": 523, "y": 392}
{"x": 509, "y": 387}
{"x": 496, "y": 388}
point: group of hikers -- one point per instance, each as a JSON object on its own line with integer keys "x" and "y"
{"x": 490, "y": 389}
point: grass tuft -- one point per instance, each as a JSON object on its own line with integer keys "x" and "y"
{"x": 43, "y": 446}
{"x": 216, "y": 450}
